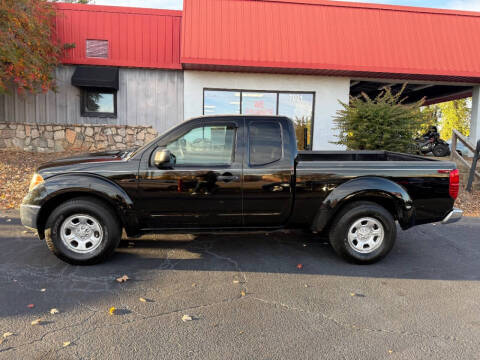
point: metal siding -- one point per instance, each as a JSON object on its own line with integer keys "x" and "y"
{"x": 136, "y": 37}
{"x": 146, "y": 97}
{"x": 320, "y": 36}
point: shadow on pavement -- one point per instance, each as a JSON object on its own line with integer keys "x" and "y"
{"x": 432, "y": 252}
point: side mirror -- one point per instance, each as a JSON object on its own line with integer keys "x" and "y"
{"x": 162, "y": 159}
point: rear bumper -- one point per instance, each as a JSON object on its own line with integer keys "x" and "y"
{"x": 29, "y": 215}
{"x": 453, "y": 216}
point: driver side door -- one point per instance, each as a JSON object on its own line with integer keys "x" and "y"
{"x": 204, "y": 187}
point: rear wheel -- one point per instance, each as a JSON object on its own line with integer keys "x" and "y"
{"x": 441, "y": 150}
{"x": 83, "y": 231}
{"x": 363, "y": 232}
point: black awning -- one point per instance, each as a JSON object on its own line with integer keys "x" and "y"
{"x": 96, "y": 76}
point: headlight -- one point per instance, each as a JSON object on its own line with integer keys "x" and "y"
{"x": 36, "y": 179}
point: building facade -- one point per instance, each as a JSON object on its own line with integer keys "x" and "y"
{"x": 135, "y": 68}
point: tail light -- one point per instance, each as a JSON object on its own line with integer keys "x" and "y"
{"x": 454, "y": 182}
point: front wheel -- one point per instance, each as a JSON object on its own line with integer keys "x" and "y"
{"x": 82, "y": 231}
{"x": 363, "y": 232}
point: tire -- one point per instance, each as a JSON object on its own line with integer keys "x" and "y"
{"x": 441, "y": 150}
{"x": 91, "y": 222}
{"x": 362, "y": 248}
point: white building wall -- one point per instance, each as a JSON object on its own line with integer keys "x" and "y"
{"x": 328, "y": 91}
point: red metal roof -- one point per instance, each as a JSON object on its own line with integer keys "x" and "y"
{"x": 137, "y": 37}
{"x": 332, "y": 38}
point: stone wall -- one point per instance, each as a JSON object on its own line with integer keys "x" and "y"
{"x": 59, "y": 138}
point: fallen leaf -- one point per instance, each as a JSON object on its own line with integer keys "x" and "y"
{"x": 236, "y": 281}
{"x": 66, "y": 343}
{"x": 122, "y": 279}
{"x": 299, "y": 266}
{"x": 243, "y": 293}
{"x": 193, "y": 285}
{"x": 112, "y": 310}
{"x": 54, "y": 311}
{"x": 7, "y": 334}
{"x": 143, "y": 299}
{"x": 31, "y": 306}
{"x": 186, "y": 318}
{"x": 37, "y": 322}
{"x": 357, "y": 295}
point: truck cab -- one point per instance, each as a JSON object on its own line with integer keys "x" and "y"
{"x": 220, "y": 172}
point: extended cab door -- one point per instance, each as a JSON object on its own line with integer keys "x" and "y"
{"x": 204, "y": 188}
{"x": 268, "y": 171}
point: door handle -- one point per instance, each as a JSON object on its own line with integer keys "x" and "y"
{"x": 227, "y": 177}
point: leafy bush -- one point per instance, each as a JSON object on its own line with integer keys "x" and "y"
{"x": 383, "y": 123}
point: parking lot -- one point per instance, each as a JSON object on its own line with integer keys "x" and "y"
{"x": 247, "y": 296}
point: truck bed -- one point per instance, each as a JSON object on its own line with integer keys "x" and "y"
{"x": 426, "y": 180}
{"x": 358, "y": 156}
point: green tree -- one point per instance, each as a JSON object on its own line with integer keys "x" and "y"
{"x": 383, "y": 123}
{"x": 454, "y": 115}
{"x": 28, "y": 51}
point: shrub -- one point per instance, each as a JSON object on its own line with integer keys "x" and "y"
{"x": 383, "y": 123}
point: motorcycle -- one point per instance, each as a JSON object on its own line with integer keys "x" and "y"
{"x": 431, "y": 142}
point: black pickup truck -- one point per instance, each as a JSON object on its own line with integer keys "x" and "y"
{"x": 236, "y": 173}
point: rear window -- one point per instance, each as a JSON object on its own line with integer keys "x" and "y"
{"x": 265, "y": 142}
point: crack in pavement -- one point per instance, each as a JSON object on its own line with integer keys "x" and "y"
{"x": 357, "y": 328}
{"x": 53, "y": 331}
{"x": 143, "y": 317}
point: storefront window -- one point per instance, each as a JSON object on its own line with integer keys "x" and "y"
{"x": 221, "y": 102}
{"x": 259, "y": 103}
{"x": 298, "y": 106}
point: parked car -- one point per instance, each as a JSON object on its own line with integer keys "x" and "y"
{"x": 462, "y": 150}
{"x": 236, "y": 173}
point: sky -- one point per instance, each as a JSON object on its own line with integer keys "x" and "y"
{"x": 177, "y": 4}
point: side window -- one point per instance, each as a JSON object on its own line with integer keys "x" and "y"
{"x": 265, "y": 142}
{"x": 99, "y": 102}
{"x": 206, "y": 145}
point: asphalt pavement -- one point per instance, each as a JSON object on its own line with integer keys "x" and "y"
{"x": 248, "y": 298}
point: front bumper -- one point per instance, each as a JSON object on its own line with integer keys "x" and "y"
{"x": 453, "y": 216}
{"x": 29, "y": 215}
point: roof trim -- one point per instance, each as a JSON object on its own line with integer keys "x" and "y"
{"x": 399, "y": 73}
{"x": 336, "y": 71}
